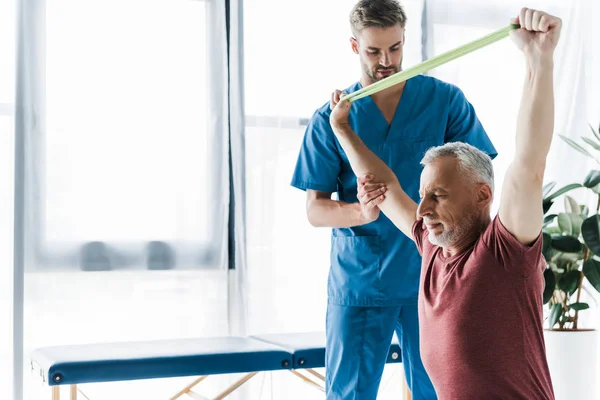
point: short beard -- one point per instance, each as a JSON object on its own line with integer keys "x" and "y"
{"x": 372, "y": 74}
{"x": 448, "y": 238}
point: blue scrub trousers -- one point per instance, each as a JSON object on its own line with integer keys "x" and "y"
{"x": 358, "y": 341}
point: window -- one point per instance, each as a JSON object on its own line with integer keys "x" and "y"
{"x": 126, "y": 164}
{"x": 126, "y": 175}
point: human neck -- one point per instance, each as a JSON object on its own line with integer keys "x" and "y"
{"x": 466, "y": 241}
{"x": 392, "y": 91}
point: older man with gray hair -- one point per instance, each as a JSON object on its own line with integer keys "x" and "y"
{"x": 480, "y": 295}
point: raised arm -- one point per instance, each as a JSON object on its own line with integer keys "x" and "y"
{"x": 521, "y": 201}
{"x": 396, "y": 204}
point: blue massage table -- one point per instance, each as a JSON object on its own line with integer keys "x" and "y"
{"x": 201, "y": 357}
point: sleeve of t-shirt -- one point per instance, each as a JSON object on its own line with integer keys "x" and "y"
{"x": 464, "y": 125}
{"x": 512, "y": 254}
{"x": 319, "y": 162}
{"x": 419, "y": 234}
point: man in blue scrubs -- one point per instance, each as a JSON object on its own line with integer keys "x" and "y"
{"x": 374, "y": 271}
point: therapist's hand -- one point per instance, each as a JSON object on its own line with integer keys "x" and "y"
{"x": 340, "y": 111}
{"x": 370, "y": 195}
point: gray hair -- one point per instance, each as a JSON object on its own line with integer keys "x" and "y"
{"x": 472, "y": 161}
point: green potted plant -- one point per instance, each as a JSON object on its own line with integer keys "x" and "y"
{"x": 571, "y": 249}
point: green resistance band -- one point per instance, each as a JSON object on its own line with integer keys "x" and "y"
{"x": 431, "y": 63}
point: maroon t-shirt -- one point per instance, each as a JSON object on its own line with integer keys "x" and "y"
{"x": 481, "y": 318}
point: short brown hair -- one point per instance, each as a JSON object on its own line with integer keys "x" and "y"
{"x": 376, "y": 13}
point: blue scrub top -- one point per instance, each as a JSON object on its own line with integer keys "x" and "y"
{"x": 376, "y": 264}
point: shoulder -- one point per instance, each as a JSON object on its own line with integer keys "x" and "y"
{"x": 508, "y": 250}
{"x": 430, "y": 83}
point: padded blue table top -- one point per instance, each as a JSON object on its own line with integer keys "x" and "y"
{"x": 295, "y": 341}
{"x": 105, "y": 362}
{"x": 308, "y": 348}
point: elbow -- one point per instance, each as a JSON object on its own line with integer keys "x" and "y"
{"x": 531, "y": 167}
{"x": 536, "y": 173}
{"x": 312, "y": 214}
{"x": 312, "y": 220}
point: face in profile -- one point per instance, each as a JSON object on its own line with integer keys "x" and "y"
{"x": 451, "y": 203}
{"x": 380, "y": 51}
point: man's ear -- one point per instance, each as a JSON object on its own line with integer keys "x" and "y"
{"x": 354, "y": 44}
{"x": 484, "y": 195}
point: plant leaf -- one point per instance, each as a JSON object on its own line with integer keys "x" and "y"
{"x": 569, "y": 281}
{"x": 579, "y": 306}
{"x": 591, "y": 143}
{"x": 554, "y": 314}
{"x": 590, "y": 230}
{"x": 566, "y": 243}
{"x": 546, "y": 205}
{"x": 596, "y": 133}
{"x": 576, "y": 221}
{"x": 547, "y": 188}
{"x": 591, "y": 270}
{"x": 563, "y": 190}
{"x": 576, "y": 146}
{"x": 549, "y": 218}
{"x": 571, "y": 205}
{"x": 592, "y": 179}
{"x": 564, "y": 223}
{"x": 550, "y": 284}
{"x": 584, "y": 211}
{"x": 546, "y": 245}
{"x": 553, "y": 230}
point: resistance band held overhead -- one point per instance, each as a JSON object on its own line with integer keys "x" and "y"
{"x": 431, "y": 63}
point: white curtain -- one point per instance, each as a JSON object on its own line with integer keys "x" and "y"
{"x": 571, "y": 101}
{"x": 122, "y": 119}
{"x": 9, "y": 380}
{"x": 492, "y": 77}
{"x": 8, "y": 358}
{"x": 28, "y": 125}
{"x": 238, "y": 295}
{"x": 591, "y": 14}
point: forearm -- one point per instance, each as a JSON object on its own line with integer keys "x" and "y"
{"x": 397, "y": 205}
{"x": 362, "y": 160}
{"x": 334, "y": 214}
{"x": 535, "y": 124}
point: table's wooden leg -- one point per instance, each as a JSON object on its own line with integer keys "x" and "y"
{"x": 235, "y": 386}
{"x": 307, "y": 380}
{"x": 315, "y": 373}
{"x": 407, "y": 395}
{"x": 188, "y": 388}
{"x": 73, "y": 392}
{"x": 55, "y": 392}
